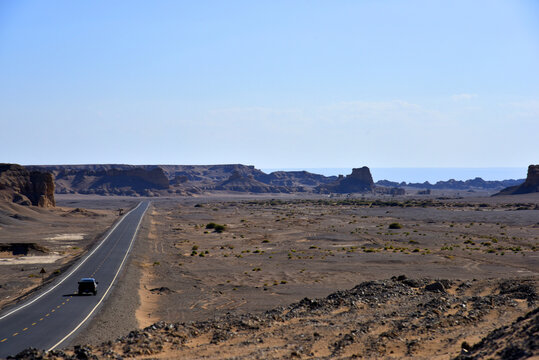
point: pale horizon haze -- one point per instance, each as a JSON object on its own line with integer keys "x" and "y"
{"x": 275, "y": 84}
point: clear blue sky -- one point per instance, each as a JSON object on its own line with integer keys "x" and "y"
{"x": 275, "y": 84}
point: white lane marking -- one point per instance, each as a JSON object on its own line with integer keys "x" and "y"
{"x": 110, "y": 286}
{"x": 72, "y": 271}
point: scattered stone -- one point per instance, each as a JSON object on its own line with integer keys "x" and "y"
{"x": 435, "y": 286}
{"x": 163, "y": 290}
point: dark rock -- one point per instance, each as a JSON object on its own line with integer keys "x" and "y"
{"x": 161, "y": 290}
{"x": 435, "y": 287}
{"x": 519, "y": 340}
{"x": 412, "y": 283}
{"x": 518, "y": 291}
{"x": 21, "y": 200}
{"x": 29, "y": 354}
{"x": 84, "y": 353}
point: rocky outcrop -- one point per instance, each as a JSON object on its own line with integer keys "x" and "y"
{"x": 25, "y": 187}
{"x": 359, "y": 181}
{"x": 530, "y": 185}
{"x": 246, "y": 183}
{"x": 108, "y": 180}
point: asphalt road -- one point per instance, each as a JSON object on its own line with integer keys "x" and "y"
{"x": 52, "y": 316}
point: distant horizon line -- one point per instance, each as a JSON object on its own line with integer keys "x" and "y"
{"x": 270, "y": 167}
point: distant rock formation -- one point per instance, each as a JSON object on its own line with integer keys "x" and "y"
{"x": 107, "y": 179}
{"x": 397, "y": 191}
{"x": 25, "y": 187}
{"x": 155, "y": 180}
{"x": 453, "y": 184}
{"x": 359, "y": 181}
{"x": 295, "y": 179}
{"x": 530, "y": 185}
{"x": 246, "y": 183}
{"x": 183, "y": 179}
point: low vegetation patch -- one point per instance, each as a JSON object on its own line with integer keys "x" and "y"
{"x": 216, "y": 227}
{"x": 395, "y": 226}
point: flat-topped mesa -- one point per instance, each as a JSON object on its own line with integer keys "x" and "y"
{"x": 25, "y": 187}
{"x": 359, "y": 181}
{"x": 530, "y": 185}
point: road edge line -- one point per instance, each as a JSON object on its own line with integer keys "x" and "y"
{"x": 111, "y": 283}
{"x": 72, "y": 271}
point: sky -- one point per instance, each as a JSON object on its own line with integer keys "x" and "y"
{"x": 275, "y": 84}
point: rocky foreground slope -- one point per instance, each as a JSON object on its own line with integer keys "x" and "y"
{"x": 395, "y": 318}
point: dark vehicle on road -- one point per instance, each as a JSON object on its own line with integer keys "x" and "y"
{"x": 87, "y": 285}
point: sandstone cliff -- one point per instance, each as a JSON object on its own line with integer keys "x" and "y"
{"x": 25, "y": 187}
{"x": 530, "y": 185}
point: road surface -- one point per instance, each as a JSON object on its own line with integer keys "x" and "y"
{"x": 52, "y": 316}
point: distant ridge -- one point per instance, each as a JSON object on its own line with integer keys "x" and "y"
{"x": 155, "y": 180}
{"x": 476, "y": 183}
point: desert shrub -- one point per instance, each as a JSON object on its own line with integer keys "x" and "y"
{"x": 216, "y": 227}
{"x": 219, "y": 228}
{"x": 395, "y": 226}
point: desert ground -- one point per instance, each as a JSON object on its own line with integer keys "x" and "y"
{"x": 226, "y": 276}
